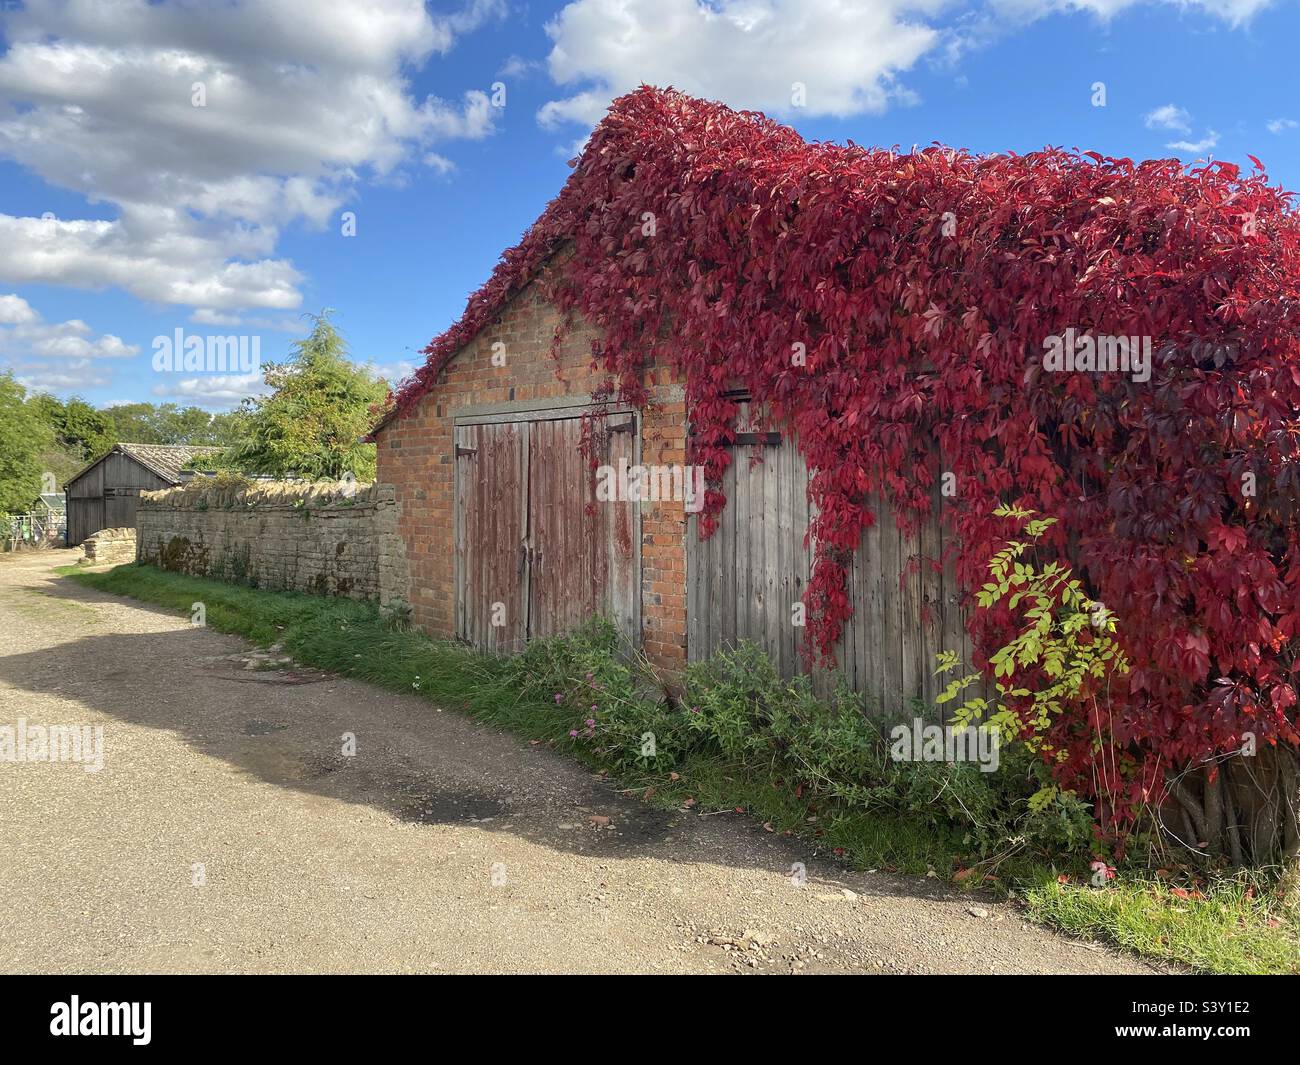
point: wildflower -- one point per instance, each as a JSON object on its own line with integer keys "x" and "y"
{"x": 559, "y": 698}
{"x": 573, "y": 732}
{"x": 591, "y": 722}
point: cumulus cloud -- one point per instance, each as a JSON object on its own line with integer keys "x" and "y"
{"x": 60, "y": 377}
{"x": 1168, "y": 117}
{"x": 15, "y": 310}
{"x": 751, "y": 53}
{"x": 23, "y": 333}
{"x": 1199, "y": 147}
{"x": 212, "y": 126}
{"x": 1281, "y": 125}
{"x": 215, "y": 391}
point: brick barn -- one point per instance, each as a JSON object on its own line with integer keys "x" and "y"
{"x": 505, "y": 539}
{"x": 498, "y": 505}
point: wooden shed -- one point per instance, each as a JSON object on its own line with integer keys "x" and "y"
{"x": 104, "y": 495}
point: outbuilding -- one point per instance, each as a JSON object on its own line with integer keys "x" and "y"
{"x": 532, "y": 497}
{"x": 105, "y": 494}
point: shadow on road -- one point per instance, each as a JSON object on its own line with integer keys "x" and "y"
{"x": 288, "y": 726}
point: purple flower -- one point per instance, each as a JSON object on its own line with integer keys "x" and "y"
{"x": 591, "y": 722}
{"x": 558, "y": 698}
{"x": 695, "y": 709}
{"x": 573, "y": 732}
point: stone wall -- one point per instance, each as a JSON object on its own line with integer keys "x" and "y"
{"x": 327, "y": 538}
{"x": 109, "y": 547}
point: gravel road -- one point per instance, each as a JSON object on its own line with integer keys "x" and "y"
{"x": 226, "y": 832}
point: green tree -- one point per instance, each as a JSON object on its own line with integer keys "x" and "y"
{"x": 23, "y": 435}
{"x": 56, "y": 455}
{"x": 311, "y": 426}
{"x": 86, "y": 428}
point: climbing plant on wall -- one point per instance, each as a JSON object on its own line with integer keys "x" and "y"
{"x": 879, "y": 303}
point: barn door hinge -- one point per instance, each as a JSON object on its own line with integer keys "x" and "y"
{"x": 461, "y": 449}
{"x": 628, "y": 425}
{"x": 759, "y": 439}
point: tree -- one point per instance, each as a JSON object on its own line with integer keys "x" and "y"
{"x": 312, "y": 425}
{"x": 86, "y": 428}
{"x": 167, "y": 423}
{"x": 22, "y": 437}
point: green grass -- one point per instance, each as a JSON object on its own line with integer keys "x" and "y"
{"x": 1233, "y": 930}
{"x": 1238, "y": 926}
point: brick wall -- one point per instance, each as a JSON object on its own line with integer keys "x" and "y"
{"x": 324, "y": 538}
{"x": 416, "y": 457}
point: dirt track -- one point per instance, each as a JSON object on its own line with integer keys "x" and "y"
{"x": 384, "y": 862}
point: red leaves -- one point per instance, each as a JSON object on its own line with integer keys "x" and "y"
{"x": 923, "y": 290}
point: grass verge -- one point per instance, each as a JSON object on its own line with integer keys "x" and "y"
{"x": 784, "y": 767}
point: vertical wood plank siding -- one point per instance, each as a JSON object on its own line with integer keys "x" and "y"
{"x": 744, "y": 581}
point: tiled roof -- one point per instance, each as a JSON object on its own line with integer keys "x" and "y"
{"x": 166, "y": 460}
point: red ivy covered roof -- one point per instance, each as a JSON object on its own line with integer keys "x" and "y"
{"x": 708, "y": 134}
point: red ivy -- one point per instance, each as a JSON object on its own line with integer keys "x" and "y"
{"x": 922, "y": 288}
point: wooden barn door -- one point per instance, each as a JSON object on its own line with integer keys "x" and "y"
{"x": 745, "y": 582}
{"x": 581, "y": 551}
{"x": 491, "y": 509}
{"x": 531, "y": 534}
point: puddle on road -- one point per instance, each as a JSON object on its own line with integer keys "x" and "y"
{"x": 451, "y": 807}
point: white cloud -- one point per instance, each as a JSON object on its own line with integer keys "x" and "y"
{"x": 24, "y": 334}
{"x": 248, "y": 323}
{"x": 161, "y": 256}
{"x": 302, "y": 101}
{"x": 1168, "y": 117}
{"x": 214, "y": 390}
{"x": 439, "y": 163}
{"x": 1281, "y": 125}
{"x": 748, "y": 53}
{"x": 55, "y": 356}
{"x": 518, "y": 67}
{"x": 1207, "y": 142}
{"x": 1233, "y": 12}
{"x": 61, "y": 376}
{"x": 15, "y": 309}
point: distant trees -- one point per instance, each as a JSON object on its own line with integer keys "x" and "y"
{"x": 23, "y": 437}
{"x": 312, "y": 425}
{"x": 167, "y": 423}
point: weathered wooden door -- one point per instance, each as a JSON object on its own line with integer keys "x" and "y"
{"x": 747, "y": 581}
{"x": 532, "y": 535}
{"x": 491, "y": 548}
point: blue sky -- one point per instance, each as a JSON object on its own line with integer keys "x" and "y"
{"x": 127, "y": 212}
